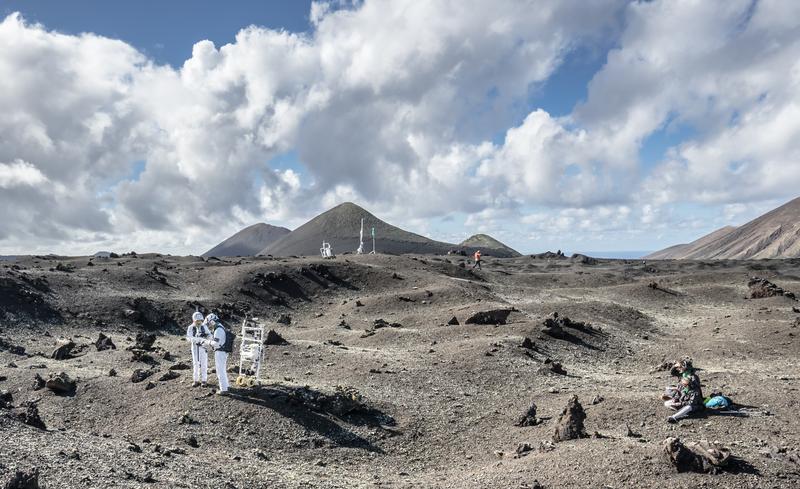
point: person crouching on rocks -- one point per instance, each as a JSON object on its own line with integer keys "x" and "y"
{"x": 687, "y": 399}
{"x": 218, "y": 343}
{"x": 195, "y": 334}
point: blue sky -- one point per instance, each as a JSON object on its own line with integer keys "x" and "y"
{"x": 552, "y": 125}
{"x": 165, "y": 30}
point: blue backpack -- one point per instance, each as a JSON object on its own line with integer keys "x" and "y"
{"x": 718, "y": 402}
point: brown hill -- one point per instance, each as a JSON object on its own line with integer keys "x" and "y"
{"x": 682, "y": 251}
{"x": 340, "y": 227}
{"x": 249, "y": 241}
{"x": 776, "y": 234}
{"x": 489, "y": 246}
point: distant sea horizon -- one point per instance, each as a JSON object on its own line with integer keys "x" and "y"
{"x": 623, "y": 255}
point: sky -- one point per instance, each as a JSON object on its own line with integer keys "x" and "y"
{"x": 602, "y": 126}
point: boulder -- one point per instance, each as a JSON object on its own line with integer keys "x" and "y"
{"x": 5, "y": 345}
{"x": 169, "y": 375}
{"x": 144, "y": 342}
{"x": 23, "y": 480}
{"x": 31, "y": 417}
{"x": 494, "y": 317}
{"x": 148, "y": 314}
{"x": 180, "y": 366}
{"x": 529, "y": 418}
{"x": 140, "y": 375}
{"x": 104, "y": 343}
{"x": 552, "y": 367}
{"x": 6, "y": 399}
{"x": 63, "y": 351}
{"x": 570, "y": 422}
{"x": 61, "y": 384}
{"x": 273, "y": 338}
{"x": 704, "y": 457}
{"x": 285, "y": 319}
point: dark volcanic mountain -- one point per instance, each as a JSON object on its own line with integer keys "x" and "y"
{"x": 340, "y": 227}
{"x": 249, "y": 241}
{"x": 489, "y": 246}
{"x": 776, "y": 234}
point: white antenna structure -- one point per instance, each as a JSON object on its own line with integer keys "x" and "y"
{"x": 360, "y": 250}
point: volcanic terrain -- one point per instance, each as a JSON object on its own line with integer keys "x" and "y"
{"x": 397, "y": 371}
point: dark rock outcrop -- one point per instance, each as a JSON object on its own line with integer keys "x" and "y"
{"x": 570, "y": 422}
{"x": 494, "y": 317}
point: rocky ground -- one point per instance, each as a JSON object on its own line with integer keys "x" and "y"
{"x": 410, "y": 401}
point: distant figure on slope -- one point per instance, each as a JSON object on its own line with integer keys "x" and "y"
{"x": 221, "y": 345}
{"x": 477, "y": 260}
{"x": 195, "y": 334}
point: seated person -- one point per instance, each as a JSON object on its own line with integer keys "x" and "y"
{"x": 686, "y": 399}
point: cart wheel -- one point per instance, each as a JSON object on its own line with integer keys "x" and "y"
{"x": 240, "y": 381}
{"x": 251, "y": 382}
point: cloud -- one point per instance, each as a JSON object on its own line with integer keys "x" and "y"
{"x": 19, "y": 173}
{"x": 397, "y": 105}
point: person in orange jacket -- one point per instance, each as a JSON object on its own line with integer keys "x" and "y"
{"x": 477, "y": 260}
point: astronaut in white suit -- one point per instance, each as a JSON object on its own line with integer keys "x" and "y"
{"x": 220, "y": 357}
{"x": 195, "y": 334}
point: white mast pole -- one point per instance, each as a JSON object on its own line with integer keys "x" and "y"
{"x": 360, "y": 249}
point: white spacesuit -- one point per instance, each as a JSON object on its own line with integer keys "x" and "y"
{"x": 195, "y": 334}
{"x": 220, "y": 357}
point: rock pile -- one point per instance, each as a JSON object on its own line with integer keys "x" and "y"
{"x": 382, "y": 323}
{"x": 761, "y": 288}
{"x": 554, "y": 326}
